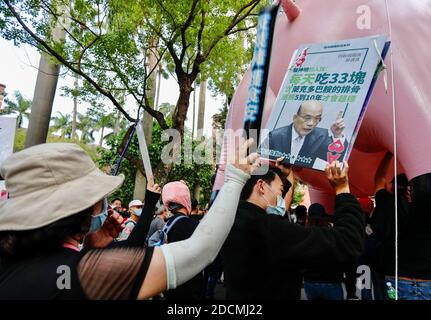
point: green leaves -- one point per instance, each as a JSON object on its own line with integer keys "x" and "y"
{"x": 108, "y": 44}
{"x": 19, "y": 106}
{"x": 192, "y": 173}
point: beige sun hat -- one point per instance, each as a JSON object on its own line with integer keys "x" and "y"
{"x": 49, "y": 182}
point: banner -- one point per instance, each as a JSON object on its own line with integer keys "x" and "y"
{"x": 260, "y": 69}
{"x": 144, "y": 151}
{"x": 256, "y": 88}
{"x": 7, "y": 136}
{"x": 321, "y": 103}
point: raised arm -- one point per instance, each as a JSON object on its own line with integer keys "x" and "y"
{"x": 343, "y": 242}
{"x": 139, "y": 234}
{"x": 175, "y": 263}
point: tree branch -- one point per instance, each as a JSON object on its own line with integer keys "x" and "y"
{"x": 201, "y": 30}
{"x": 154, "y": 113}
{"x": 184, "y": 30}
{"x": 57, "y": 16}
{"x": 242, "y": 29}
{"x": 167, "y": 12}
{"x": 168, "y": 43}
{"x": 65, "y": 62}
{"x": 81, "y": 55}
{"x": 236, "y": 19}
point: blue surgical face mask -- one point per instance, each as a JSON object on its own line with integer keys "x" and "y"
{"x": 98, "y": 220}
{"x": 137, "y": 212}
{"x": 279, "y": 209}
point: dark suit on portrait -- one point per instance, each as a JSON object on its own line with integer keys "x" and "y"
{"x": 315, "y": 144}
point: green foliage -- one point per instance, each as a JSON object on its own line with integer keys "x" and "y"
{"x": 19, "y": 142}
{"x": 21, "y": 133}
{"x": 63, "y": 123}
{"x": 193, "y": 174}
{"x": 298, "y": 194}
{"x": 219, "y": 119}
{"x": 21, "y": 107}
{"x": 109, "y": 43}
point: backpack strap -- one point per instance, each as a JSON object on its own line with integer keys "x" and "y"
{"x": 171, "y": 223}
{"x": 130, "y": 220}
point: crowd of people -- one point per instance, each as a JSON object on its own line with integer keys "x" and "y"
{"x": 167, "y": 246}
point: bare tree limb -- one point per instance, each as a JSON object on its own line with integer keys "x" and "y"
{"x": 242, "y": 29}
{"x": 154, "y": 113}
{"x": 66, "y": 63}
{"x": 57, "y": 19}
{"x": 184, "y": 30}
{"x": 236, "y": 19}
{"x": 201, "y": 30}
{"x": 169, "y": 43}
{"x": 160, "y": 3}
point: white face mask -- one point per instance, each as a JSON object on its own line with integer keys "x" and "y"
{"x": 279, "y": 208}
{"x": 137, "y": 212}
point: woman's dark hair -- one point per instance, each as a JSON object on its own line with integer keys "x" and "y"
{"x": 195, "y": 204}
{"x": 301, "y": 212}
{"x": 17, "y": 244}
{"x": 174, "y": 207}
{"x": 421, "y": 199}
{"x": 268, "y": 177}
{"x": 115, "y": 199}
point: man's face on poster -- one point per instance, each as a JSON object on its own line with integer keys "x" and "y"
{"x": 308, "y": 117}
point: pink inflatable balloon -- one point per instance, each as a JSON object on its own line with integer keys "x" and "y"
{"x": 408, "y": 24}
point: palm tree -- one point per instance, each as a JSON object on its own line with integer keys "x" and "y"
{"x": 104, "y": 122}
{"x": 87, "y": 127}
{"x": 21, "y": 106}
{"x": 63, "y": 123}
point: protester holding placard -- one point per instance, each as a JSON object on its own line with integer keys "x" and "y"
{"x": 270, "y": 245}
{"x": 34, "y": 246}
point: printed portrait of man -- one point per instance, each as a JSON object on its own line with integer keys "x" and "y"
{"x": 302, "y": 141}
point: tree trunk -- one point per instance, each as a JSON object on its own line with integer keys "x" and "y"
{"x": 140, "y": 186}
{"x": 101, "y": 136}
{"x": 159, "y": 81}
{"x": 19, "y": 121}
{"x": 43, "y": 99}
{"x": 117, "y": 122}
{"x": 75, "y": 109}
{"x": 147, "y": 122}
{"x": 183, "y": 103}
{"x": 194, "y": 112}
{"x": 44, "y": 92}
{"x": 201, "y": 114}
{"x": 197, "y": 191}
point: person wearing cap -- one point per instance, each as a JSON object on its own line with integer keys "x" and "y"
{"x": 137, "y": 235}
{"x": 135, "y": 209}
{"x": 176, "y": 198}
{"x": 40, "y": 232}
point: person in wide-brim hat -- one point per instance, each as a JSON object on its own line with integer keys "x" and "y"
{"x": 54, "y": 190}
{"x": 49, "y": 182}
